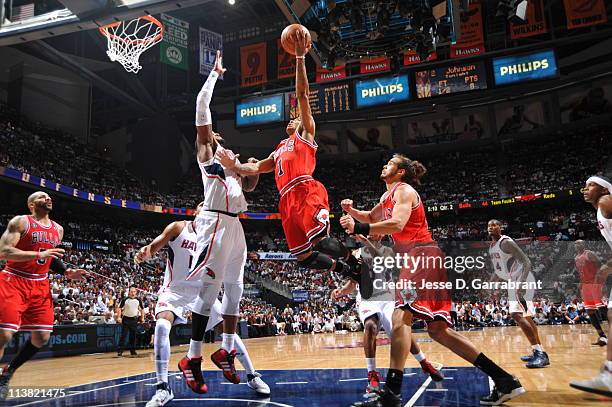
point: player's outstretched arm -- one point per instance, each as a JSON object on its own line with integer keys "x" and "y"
{"x": 11, "y": 237}
{"x": 405, "y": 198}
{"x": 371, "y": 216}
{"x": 206, "y": 137}
{"x": 249, "y": 182}
{"x": 301, "y": 86}
{"x": 170, "y": 232}
{"x": 230, "y": 161}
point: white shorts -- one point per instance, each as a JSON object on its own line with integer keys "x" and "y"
{"x": 382, "y": 309}
{"x": 526, "y": 308}
{"x": 221, "y": 249}
{"x": 610, "y": 301}
{"x": 180, "y": 302}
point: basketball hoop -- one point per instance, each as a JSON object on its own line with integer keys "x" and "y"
{"x": 128, "y": 39}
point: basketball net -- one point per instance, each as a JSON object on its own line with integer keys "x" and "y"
{"x": 128, "y": 39}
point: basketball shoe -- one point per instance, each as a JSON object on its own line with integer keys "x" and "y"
{"x": 224, "y": 360}
{"x": 602, "y": 341}
{"x": 429, "y": 369}
{"x": 540, "y": 359}
{"x": 162, "y": 396}
{"x": 373, "y": 381}
{"x": 254, "y": 382}
{"x": 505, "y": 389}
{"x": 5, "y": 378}
{"x": 602, "y": 384}
{"x": 381, "y": 398}
{"x": 192, "y": 372}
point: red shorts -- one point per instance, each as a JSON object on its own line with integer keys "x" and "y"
{"x": 304, "y": 210}
{"x": 591, "y": 295}
{"x": 426, "y": 266}
{"x": 26, "y": 304}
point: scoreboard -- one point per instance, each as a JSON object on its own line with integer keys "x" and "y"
{"x": 450, "y": 79}
{"x": 324, "y": 99}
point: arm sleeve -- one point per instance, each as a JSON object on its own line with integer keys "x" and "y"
{"x": 122, "y": 303}
{"x": 203, "y": 115}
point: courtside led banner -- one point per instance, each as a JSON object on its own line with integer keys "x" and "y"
{"x": 522, "y": 68}
{"x": 381, "y": 91}
{"x": 259, "y": 111}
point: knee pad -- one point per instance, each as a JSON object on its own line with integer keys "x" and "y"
{"x": 332, "y": 247}
{"x": 317, "y": 261}
{"x": 162, "y": 328}
{"x": 206, "y": 298}
{"x": 230, "y": 305}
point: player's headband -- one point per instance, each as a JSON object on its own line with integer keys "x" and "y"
{"x": 601, "y": 182}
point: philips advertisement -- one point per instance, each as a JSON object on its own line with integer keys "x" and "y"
{"x": 381, "y": 91}
{"x": 259, "y": 111}
{"x": 522, "y": 68}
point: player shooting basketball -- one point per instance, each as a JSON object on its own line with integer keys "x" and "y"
{"x": 303, "y": 204}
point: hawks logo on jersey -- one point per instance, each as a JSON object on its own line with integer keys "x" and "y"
{"x": 188, "y": 244}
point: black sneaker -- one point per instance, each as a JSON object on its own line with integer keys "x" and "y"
{"x": 5, "y": 378}
{"x": 120, "y": 353}
{"x": 504, "y": 390}
{"x": 133, "y": 353}
{"x": 540, "y": 359}
{"x": 528, "y": 358}
{"x": 381, "y": 398}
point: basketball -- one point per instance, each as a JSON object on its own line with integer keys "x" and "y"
{"x": 288, "y": 37}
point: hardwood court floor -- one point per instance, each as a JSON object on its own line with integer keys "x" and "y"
{"x": 569, "y": 347}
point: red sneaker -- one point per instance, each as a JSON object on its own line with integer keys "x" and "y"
{"x": 224, "y": 360}
{"x": 192, "y": 372}
{"x": 429, "y": 369}
{"x": 373, "y": 381}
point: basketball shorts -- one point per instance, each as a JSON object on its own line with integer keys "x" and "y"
{"x": 426, "y": 267}
{"x": 522, "y": 306}
{"x": 221, "y": 249}
{"x": 382, "y": 309}
{"x": 26, "y": 305}
{"x": 610, "y": 301}
{"x": 304, "y": 211}
{"x": 181, "y": 302}
{"x": 591, "y": 295}
{"x": 522, "y": 303}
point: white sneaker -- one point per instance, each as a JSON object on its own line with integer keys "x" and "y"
{"x": 601, "y": 384}
{"x": 161, "y": 398}
{"x": 258, "y": 385}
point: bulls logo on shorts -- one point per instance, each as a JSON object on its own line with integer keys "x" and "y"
{"x": 210, "y": 273}
{"x": 323, "y": 216}
{"x": 408, "y": 295}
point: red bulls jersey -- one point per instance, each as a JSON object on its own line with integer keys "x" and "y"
{"x": 36, "y": 238}
{"x": 294, "y": 161}
{"x": 586, "y": 268}
{"x": 416, "y": 229}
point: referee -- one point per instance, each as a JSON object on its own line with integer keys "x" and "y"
{"x": 129, "y": 311}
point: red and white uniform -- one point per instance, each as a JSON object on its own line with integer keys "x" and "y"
{"x": 415, "y": 240}
{"x": 303, "y": 205}
{"x": 591, "y": 290}
{"x": 25, "y": 294}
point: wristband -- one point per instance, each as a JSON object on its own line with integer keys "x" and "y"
{"x": 361, "y": 229}
{"x": 300, "y": 57}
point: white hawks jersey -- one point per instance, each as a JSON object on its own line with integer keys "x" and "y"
{"x": 501, "y": 261}
{"x": 605, "y": 227}
{"x": 181, "y": 251}
{"x": 222, "y": 187}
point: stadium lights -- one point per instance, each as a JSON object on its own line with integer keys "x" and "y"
{"x": 231, "y": 2}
